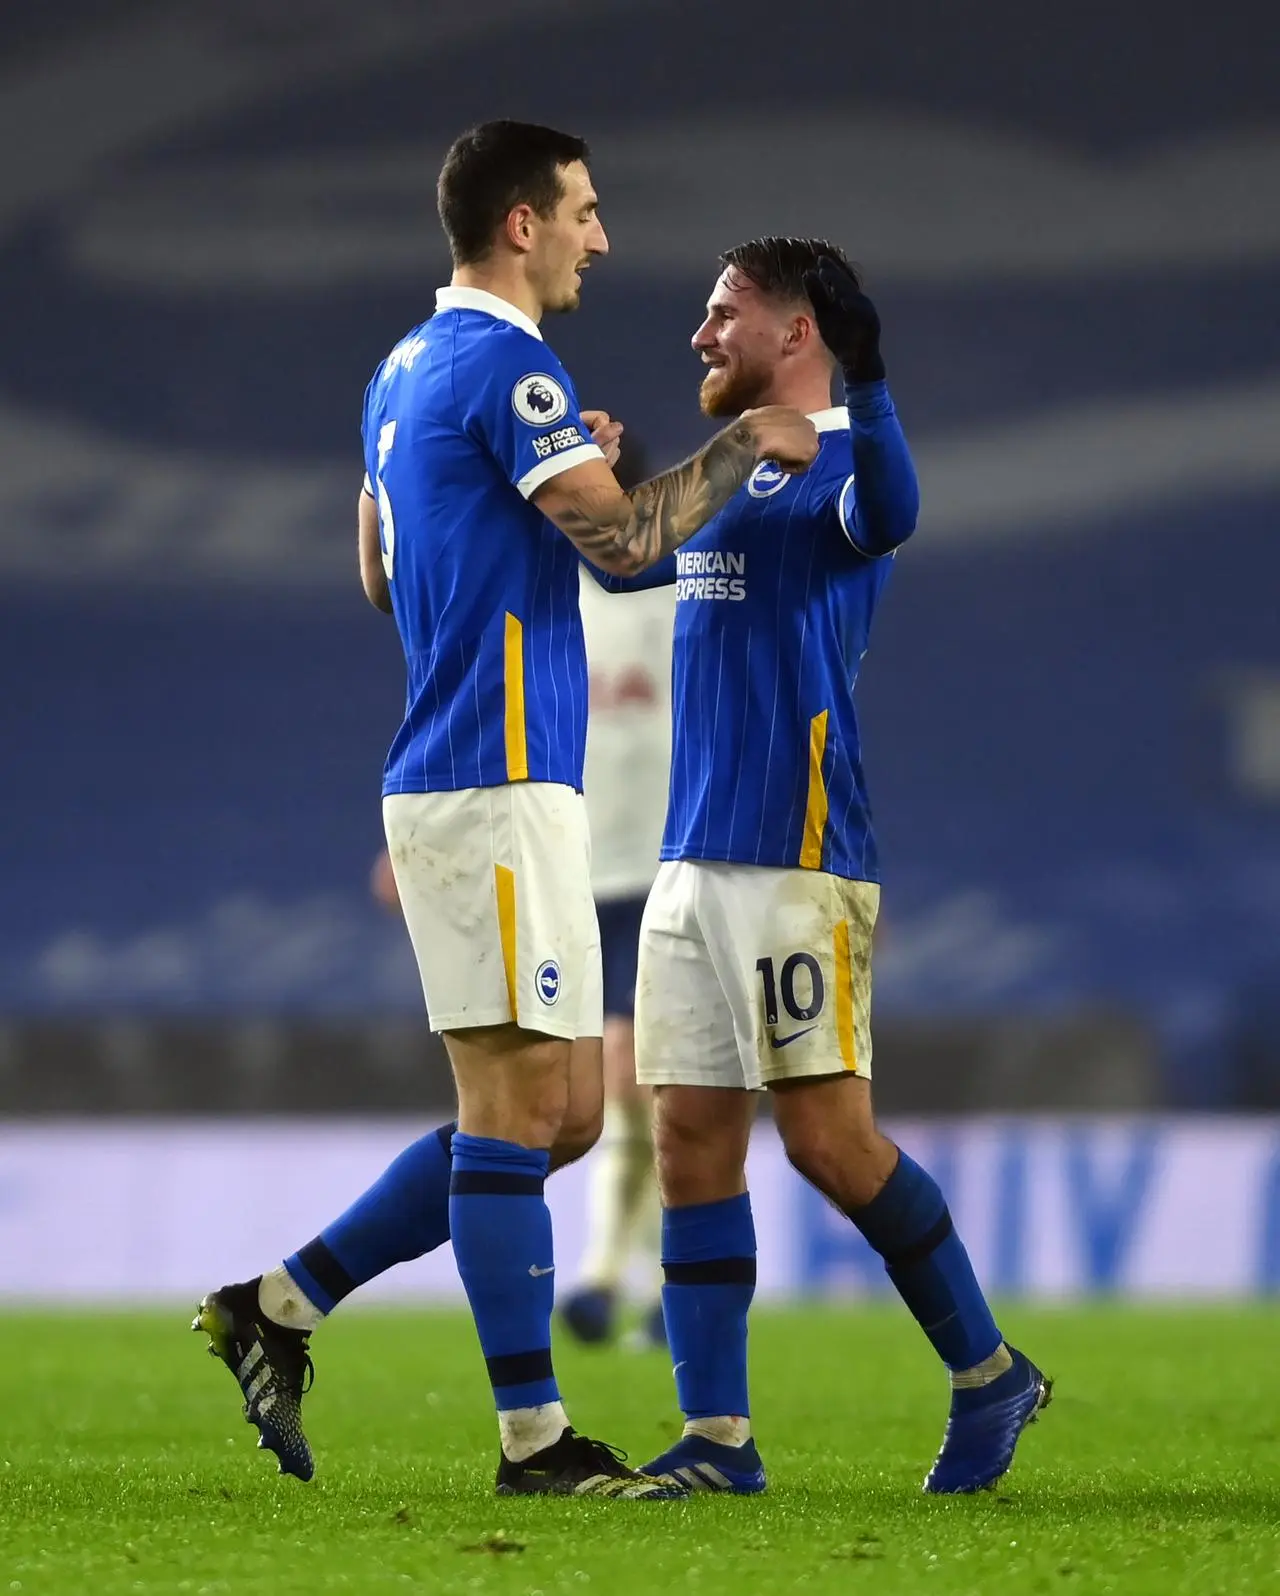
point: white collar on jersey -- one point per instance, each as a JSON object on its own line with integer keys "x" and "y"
{"x": 834, "y": 420}
{"x": 490, "y": 304}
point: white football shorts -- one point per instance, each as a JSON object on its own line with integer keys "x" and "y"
{"x": 750, "y": 974}
{"x": 495, "y": 886}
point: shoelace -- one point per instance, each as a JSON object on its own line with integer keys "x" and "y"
{"x": 604, "y": 1449}
{"x": 307, "y": 1377}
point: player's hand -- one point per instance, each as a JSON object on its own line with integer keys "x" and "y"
{"x": 606, "y": 433}
{"x": 783, "y": 435}
{"x": 846, "y": 319}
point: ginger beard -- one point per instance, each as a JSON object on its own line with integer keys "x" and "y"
{"x": 730, "y": 389}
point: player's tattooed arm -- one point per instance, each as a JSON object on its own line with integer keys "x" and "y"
{"x": 626, "y": 533}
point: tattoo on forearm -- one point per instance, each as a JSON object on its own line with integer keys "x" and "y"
{"x": 665, "y": 512}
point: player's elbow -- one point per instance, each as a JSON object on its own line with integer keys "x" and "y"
{"x": 903, "y": 524}
{"x": 886, "y": 526}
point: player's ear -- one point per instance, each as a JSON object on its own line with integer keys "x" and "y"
{"x": 799, "y": 330}
{"x": 519, "y": 228}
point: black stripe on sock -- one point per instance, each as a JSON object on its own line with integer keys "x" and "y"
{"x": 445, "y": 1137}
{"x": 918, "y": 1251}
{"x": 711, "y": 1272}
{"x": 494, "y": 1183}
{"x": 325, "y": 1270}
{"x": 520, "y": 1368}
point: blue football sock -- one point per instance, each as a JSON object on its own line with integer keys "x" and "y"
{"x": 402, "y": 1215}
{"x": 909, "y": 1225}
{"x": 501, "y": 1230}
{"x": 709, "y": 1264}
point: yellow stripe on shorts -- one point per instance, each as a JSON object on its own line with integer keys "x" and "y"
{"x": 513, "y": 683}
{"x": 504, "y": 881}
{"x": 815, "y": 809}
{"x": 844, "y": 995}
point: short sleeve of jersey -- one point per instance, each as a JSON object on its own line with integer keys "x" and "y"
{"x": 517, "y": 399}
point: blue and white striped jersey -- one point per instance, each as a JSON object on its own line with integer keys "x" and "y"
{"x": 464, "y": 419}
{"x": 774, "y": 601}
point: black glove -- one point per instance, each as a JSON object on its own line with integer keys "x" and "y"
{"x": 846, "y": 319}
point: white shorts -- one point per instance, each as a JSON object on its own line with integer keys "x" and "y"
{"x": 495, "y": 886}
{"x": 750, "y": 974}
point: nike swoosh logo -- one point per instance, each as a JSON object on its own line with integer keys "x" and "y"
{"x": 535, "y": 1271}
{"x": 786, "y": 1041}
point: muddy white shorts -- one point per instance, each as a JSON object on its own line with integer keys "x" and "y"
{"x": 495, "y": 886}
{"x": 750, "y": 974}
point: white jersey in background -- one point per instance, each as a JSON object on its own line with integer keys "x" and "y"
{"x": 628, "y": 734}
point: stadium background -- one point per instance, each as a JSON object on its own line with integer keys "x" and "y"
{"x": 212, "y": 225}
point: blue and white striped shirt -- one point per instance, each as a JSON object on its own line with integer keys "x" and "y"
{"x": 774, "y": 602}
{"x": 464, "y": 419}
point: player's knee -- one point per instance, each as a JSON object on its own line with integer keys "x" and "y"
{"x": 805, "y": 1157}
{"x": 531, "y": 1112}
{"x": 513, "y": 1085}
{"x": 846, "y": 1163}
{"x": 695, "y": 1163}
{"x": 534, "y": 1125}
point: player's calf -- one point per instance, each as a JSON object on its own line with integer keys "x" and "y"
{"x": 709, "y": 1270}
{"x": 831, "y": 1137}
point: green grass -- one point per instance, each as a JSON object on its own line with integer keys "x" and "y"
{"x": 125, "y": 1466}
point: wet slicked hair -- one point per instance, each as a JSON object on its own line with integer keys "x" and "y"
{"x": 777, "y": 265}
{"x": 494, "y": 167}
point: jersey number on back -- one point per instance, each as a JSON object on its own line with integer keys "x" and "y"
{"x": 386, "y": 521}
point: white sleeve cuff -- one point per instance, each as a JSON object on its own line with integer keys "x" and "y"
{"x": 846, "y": 498}
{"x": 546, "y": 469}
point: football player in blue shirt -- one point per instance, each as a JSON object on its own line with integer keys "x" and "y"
{"x": 755, "y": 954}
{"x": 483, "y": 488}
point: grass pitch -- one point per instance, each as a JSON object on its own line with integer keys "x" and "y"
{"x": 125, "y": 1465}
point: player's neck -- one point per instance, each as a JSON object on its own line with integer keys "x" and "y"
{"x": 504, "y": 284}
{"x": 808, "y": 396}
{"x": 800, "y": 380}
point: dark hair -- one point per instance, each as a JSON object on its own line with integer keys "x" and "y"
{"x": 777, "y": 265}
{"x": 493, "y": 167}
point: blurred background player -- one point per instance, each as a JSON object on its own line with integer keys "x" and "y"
{"x": 625, "y": 786}
{"x": 477, "y": 460}
{"x": 755, "y": 953}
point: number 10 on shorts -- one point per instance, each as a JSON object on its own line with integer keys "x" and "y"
{"x": 798, "y": 980}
